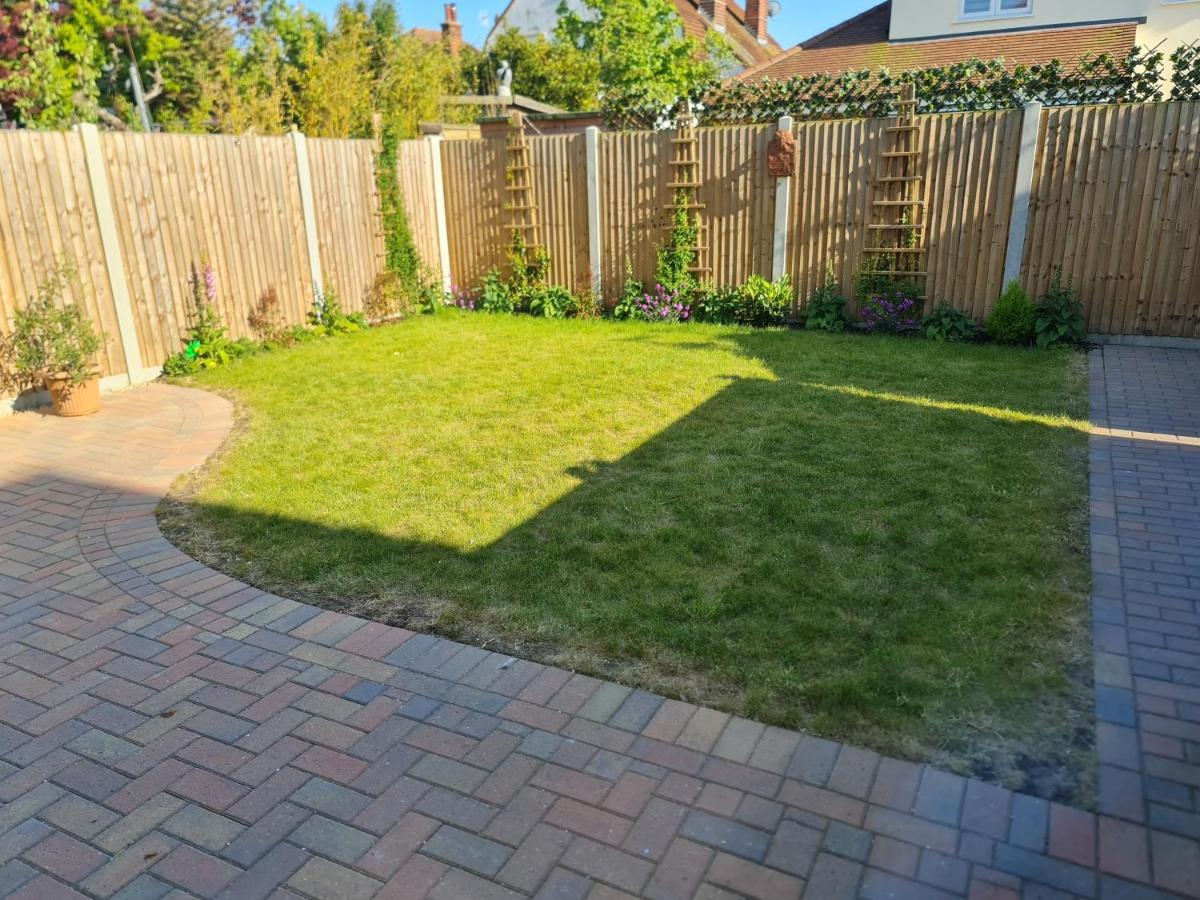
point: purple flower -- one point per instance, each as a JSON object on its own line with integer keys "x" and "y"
{"x": 210, "y": 283}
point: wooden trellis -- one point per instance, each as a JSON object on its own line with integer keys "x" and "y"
{"x": 896, "y": 248}
{"x": 521, "y": 203}
{"x": 685, "y": 186}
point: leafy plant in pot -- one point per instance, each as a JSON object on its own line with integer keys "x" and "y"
{"x": 57, "y": 343}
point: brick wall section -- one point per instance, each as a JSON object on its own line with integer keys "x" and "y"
{"x": 165, "y": 729}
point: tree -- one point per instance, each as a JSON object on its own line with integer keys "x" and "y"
{"x": 36, "y": 83}
{"x": 551, "y": 71}
{"x": 337, "y": 86}
{"x": 641, "y": 52}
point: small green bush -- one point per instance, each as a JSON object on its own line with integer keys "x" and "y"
{"x": 946, "y": 323}
{"x": 1012, "y": 319}
{"x": 1059, "y": 315}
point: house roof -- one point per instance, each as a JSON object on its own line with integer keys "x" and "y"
{"x": 744, "y": 44}
{"x": 862, "y": 43}
{"x": 426, "y": 35}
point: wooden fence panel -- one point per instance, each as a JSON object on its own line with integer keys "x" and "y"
{"x": 970, "y": 172}
{"x": 47, "y": 215}
{"x": 739, "y": 201}
{"x": 414, "y": 166}
{"x": 634, "y": 173}
{"x": 1116, "y": 203}
{"x": 182, "y": 199}
{"x": 473, "y": 174}
{"x": 560, "y": 191}
{"x": 831, "y": 201}
{"x": 349, "y": 230}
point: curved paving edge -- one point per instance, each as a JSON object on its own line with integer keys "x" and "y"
{"x": 166, "y": 730}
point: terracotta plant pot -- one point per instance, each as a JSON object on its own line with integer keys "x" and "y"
{"x": 74, "y": 399}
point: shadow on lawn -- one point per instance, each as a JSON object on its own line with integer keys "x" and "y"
{"x": 825, "y": 554}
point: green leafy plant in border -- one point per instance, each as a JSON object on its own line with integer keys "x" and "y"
{"x": 552, "y": 302}
{"x": 494, "y": 293}
{"x": 945, "y": 323}
{"x": 826, "y": 309}
{"x": 1058, "y": 319}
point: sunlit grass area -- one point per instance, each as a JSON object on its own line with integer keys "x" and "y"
{"x": 873, "y": 539}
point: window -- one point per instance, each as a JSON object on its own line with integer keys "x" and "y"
{"x": 983, "y": 9}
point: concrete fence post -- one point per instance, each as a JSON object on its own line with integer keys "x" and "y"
{"x": 309, "y": 212}
{"x": 783, "y": 208}
{"x": 1018, "y": 223}
{"x": 110, "y": 243}
{"x": 591, "y": 137}
{"x": 439, "y": 208}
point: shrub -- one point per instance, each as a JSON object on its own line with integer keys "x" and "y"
{"x": 389, "y": 297}
{"x": 1059, "y": 316}
{"x": 1012, "y": 320}
{"x": 552, "y": 302}
{"x": 495, "y": 295}
{"x": 758, "y": 302}
{"x": 586, "y": 305}
{"x": 718, "y": 305}
{"x": 890, "y": 312}
{"x": 946, "y": 323}
{"x": 49, "y": 338}
{"x": 826, "y": 310}
{"x": 266, "y": 320}
{"x": 764, "y": 302}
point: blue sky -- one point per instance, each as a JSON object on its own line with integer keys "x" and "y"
{"x": 798, "y": 19}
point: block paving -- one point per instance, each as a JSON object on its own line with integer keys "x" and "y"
{"x": 169, "y": 732}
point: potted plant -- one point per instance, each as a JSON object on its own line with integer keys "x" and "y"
{"x": 58, "y": 344}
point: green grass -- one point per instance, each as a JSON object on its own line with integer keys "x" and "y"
{"x": 874, "y": 539}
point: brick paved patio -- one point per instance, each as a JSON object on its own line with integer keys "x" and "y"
{"x": 167, "y": 731}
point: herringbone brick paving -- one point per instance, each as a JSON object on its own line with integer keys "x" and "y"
{"x": 166, "y": 731}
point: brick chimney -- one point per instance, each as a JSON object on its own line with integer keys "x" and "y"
{"x": 452, "y": 29}
{"x": 715, "y": 10}
{"x": 756, "y": 19}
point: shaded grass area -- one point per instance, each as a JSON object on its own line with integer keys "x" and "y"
{"x": 877, "y": 540}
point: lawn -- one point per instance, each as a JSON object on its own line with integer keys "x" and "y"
{"x": 878, "y": 540}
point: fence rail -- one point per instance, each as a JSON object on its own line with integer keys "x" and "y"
{"x": 1110, "y": 193}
